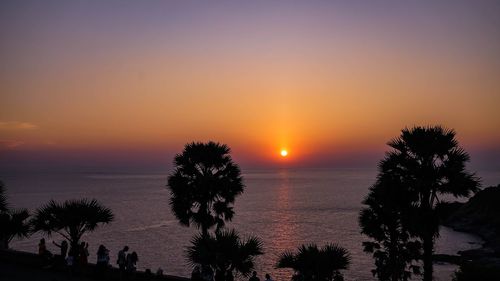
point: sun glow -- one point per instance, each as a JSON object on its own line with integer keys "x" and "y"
{"x": 284, "y": 153}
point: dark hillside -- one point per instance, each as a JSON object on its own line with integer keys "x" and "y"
{"x": 480, "y": 215}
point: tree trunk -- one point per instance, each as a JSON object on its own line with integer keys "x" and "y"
{"x": 428, "y": 249}
{"x": 204, "y": 211}
{"x": 4, "y": 244}
{"x": 394, "y": 255}
{"x": 427, "y": 235}
{"x": 395, "y": 276}
{"x": 392, "y": 263}
{"x": 74, "y": 248}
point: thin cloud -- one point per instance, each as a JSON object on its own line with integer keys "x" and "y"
{"x": 10, "y": 144}
{"x": 16, "y": 125}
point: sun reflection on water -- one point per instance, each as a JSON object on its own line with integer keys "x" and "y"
{"x": 285, "y": 231}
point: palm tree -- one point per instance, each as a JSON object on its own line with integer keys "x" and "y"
{"x": 71, "y": 219}
{"x": 13, "y": 223}
{"x": 313, "y": 264}
{"x": 225, "y": 252}
{"x": 204, "y": 185}
{"x": 433, "y": 164}
{"x": 387, "y": 220}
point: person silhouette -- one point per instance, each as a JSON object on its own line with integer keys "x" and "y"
{"x": 132, "y": 261}
{"x": 45, "y": 254}
{"x": 122, "y": 258}
{"x": 122, "y": 261}
{"x": 102, "y": 256}
{"x": 42, "y": 248}
{"x": 268, "y": 277}
{"x": 159, "y": 272}
{"x": 254, "y": 277}
{"x": 63, "y": 248}
{"x": 83, "y": 253}
{"x": 102, "y": 261}
{"x": 61, "y": 258}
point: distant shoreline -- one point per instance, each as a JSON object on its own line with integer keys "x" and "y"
{"x": 476, "y": 217}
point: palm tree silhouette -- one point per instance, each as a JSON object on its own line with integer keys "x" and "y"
{"x": 387, "y": 219}
{"x": 204, "y": 185}
{"x": 71, "y": 219}
{"x": 13, "y": 222}
{"x": 225, "y": 252}
{"x": 433, "y": 164}
{"x": 311, "y": 263}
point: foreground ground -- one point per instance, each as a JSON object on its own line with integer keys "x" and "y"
{"x": 16, "y": 272}
{"x": 22, "y": 266}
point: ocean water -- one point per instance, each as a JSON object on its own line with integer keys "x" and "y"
{"x": 285, "y": 208}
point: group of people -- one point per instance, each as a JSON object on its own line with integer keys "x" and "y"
{"x": 206, "y": 273}
{"x": 127, "y": 261}
{"x": 78, "y": 257}
{"x": 102, "y": 256}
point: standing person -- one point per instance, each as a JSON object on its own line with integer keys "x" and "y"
{"x": 71, "y": 260}
{"x": 102, "y": 260}
{"x": 84, "y": 253}
{"x": 106, "y": 256}
{"x": 159, "y": 272}
{"x": 102, "y": 256}
{"x": 63, "y": 248}
{"x": 122, "y": 259}
{"x": 132, "y": 260}
{"x": 254, "y": 277}
{"x": 42, "y": 248}
{"x": 45, "y": 254}
{"x": 61, "y": 259}
{"x": 268, "y": 277}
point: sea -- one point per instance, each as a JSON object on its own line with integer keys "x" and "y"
{"x": 283, "y": 207}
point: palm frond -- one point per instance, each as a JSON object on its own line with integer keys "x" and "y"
{"x": 225, "y": 250}
{"x": 313, "y": 263}
{"x": 14, "y": 223}
{"x": 71, "y": 218}
{"x": 286, "y": 260}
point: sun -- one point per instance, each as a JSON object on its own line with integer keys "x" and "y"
{"x": 284, "y": 152}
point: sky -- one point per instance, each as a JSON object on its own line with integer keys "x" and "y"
{"x": 128, "y": 83}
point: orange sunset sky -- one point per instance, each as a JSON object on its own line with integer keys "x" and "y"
{"x": 108, "y": 82}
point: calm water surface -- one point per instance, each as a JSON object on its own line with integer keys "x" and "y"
{"x": 285, "y": 208}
